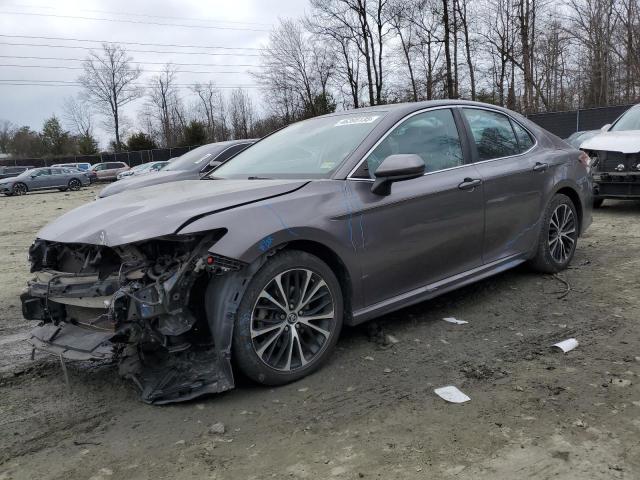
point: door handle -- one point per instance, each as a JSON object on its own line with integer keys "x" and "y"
{"x": 469, "y": 183}
{"x": 540, "y": 167}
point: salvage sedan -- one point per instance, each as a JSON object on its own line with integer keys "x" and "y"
{"x": 330, "y": 221}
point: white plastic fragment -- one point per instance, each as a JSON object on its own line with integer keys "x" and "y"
{"x": 451, "y": 394}
{"x": 566, "y": 345}
{"x": 454, "y": 320}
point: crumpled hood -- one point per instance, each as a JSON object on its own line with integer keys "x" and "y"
{"x": 625, "y": 142}
{"x": 156, "y": 178}
{"x": 158, "y": 210}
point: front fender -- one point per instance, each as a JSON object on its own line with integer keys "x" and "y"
{"x": 318, "y": 213}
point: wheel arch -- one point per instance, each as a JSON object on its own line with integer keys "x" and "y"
{"x": 574, "y": 196}
{"x": 335, "y": 263}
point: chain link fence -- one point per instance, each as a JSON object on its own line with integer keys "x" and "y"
{"x": 130, "y": 158}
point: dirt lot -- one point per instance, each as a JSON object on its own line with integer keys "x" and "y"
{"x": 371, "y": 413}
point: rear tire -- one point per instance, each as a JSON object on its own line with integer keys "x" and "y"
{"x": 558, "y": 236}
{"x": 597, "y": 202}
{"x": 289, "y": 319}
{"x": 74, "y": 184}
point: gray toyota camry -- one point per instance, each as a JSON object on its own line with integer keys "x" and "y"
{"x": 330, "y": 221}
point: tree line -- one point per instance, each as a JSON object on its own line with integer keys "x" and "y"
{"x": 526, "y": 55}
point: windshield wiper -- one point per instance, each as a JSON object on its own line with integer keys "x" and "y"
{"x": 259, "y": 178}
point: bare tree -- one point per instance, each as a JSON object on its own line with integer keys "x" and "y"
{"x": 241, "y": 113}
{"x": 212, "y": 109}
{"x": 164, "y": 99}
{"x": 295, "y": 72}
{"x": 109, "y": 82}
{"x": 78, "y": 115}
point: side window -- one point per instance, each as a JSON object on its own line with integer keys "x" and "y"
{"x": 43, "y": 172}
{"x": 525, "y": 142}
{"x": 492, "y": 133}
{"x": 432, "y": 135}
{"x": 56, "y": 171}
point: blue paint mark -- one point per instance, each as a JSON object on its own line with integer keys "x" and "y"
{"x": 523, "y": 232}
{"x": 286, "y": 227}
{"x": 265, "y": 243}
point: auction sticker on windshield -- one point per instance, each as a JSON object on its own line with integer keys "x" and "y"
{"x": 357, "y": 120}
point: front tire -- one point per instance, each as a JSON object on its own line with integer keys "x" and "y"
{"x": 289, "y": 319}
{"x": 558, "y": 236}
{"x": 20, "y": 189}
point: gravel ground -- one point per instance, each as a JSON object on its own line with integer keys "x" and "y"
{"x": 371, "y": 412}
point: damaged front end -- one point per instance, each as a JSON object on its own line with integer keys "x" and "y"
{"x": 158, "y": 306}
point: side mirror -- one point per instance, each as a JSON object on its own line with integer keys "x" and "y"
{"x": 33, "y": 176}
{"x": 606, "y": 127}
{"x": 396, "y": 168}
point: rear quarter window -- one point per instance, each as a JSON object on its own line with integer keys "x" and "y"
{"x": 525, "y": 141}
{"x": 492, "y": 133}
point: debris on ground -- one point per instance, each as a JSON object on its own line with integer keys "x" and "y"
{"x": 454, "y": 320}
{"x": 566, "y": 345}
{"x": 217, "y": 429}
{"x": 451, "y": 394}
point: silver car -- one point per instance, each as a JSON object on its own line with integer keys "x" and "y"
{"x": 44, "y": 179}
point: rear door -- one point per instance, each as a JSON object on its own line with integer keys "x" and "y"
{"x": 58, "y": 178}
{"x": 513, "y": 177}
{"x": 429, "y": 228}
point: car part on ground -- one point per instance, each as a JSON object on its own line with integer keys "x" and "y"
{"x": 337, "y": 219}
{"x": 190, "y": 166}
{"x": 44, "y": 179}
{"x": 615, "y": 159}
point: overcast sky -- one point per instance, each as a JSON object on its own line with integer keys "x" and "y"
{"x": 210, "y": 23}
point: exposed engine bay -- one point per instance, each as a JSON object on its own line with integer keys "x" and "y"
{"x": 616, "y": 174}
{"x": 156, "y": 307}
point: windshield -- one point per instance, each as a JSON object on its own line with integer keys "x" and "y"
{"x": 26, "y": 173}
{"x": 630, "y": 120}
{"x": 308, "y": 149}
{"x": 193, "y": 160}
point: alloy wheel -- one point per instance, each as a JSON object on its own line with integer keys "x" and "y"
{"x": 19, "y": 189}
{"x": 74, "y": 184}
{"x": 292, "y": 320}
{"x": 562, "y": 233}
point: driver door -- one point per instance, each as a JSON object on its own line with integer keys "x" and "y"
{"x": 429, "y": 228}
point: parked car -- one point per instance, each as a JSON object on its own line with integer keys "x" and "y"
{"x": 8, "y": 172}
{"x": 576, "y": 139}
{"x": 615, "y": 158}
{"x": 190, "y": 166}
{"x": 108, "y": 171}
{"x": 84, "y": 166}
{"x": 143, "y": 169}
{"x": 330, "y": 221}
{"x": 48, "y": 178}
